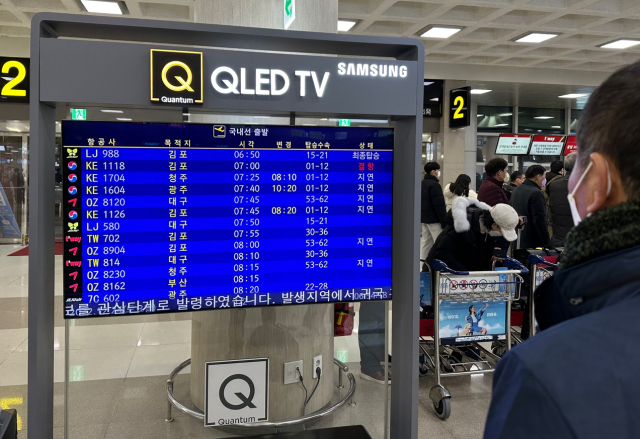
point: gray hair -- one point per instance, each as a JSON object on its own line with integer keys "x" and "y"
{"x": 609, "y": 125}
{"x": 570, "y": 162}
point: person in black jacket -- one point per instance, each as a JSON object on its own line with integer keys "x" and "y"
{"x": 560, "y": 220}
{"x": 516, "y": 179}
{"x": 433, "y": 208}
{"x": 469, "y": 240}
{"x": 557, "y": 170}
{"x": 529, "y": 201}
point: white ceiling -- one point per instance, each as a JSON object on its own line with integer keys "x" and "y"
{"x": 491, "y": 25}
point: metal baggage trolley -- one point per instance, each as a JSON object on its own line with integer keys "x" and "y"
{"x": 463, "y": 290}
{"x": 541, "y": 270}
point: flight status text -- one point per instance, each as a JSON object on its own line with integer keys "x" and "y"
{"x": 185, "y": 217}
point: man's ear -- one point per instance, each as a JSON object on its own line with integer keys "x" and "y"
{"x": 601, "y": 196}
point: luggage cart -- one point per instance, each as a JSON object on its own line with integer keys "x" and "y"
{"x": 541, "y": 270}
{"x": 467, "y": 288}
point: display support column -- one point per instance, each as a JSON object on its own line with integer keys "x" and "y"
{"x": 282, "y": 334}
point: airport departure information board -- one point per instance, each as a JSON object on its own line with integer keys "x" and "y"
{"x": 183, "y": 217}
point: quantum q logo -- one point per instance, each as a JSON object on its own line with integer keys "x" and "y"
{"x": 176, "y": 77}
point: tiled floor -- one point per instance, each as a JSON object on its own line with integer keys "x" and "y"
{"x": 119, "y": 367}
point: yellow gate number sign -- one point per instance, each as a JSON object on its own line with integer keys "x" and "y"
{"x": 460, "y": 107}
{"x": 14, "y": 80}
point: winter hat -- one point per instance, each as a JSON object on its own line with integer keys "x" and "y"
{"x": 507, "y": 219}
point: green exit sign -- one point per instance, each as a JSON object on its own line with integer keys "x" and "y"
{"x": 289, "y": 12}
{"x": 78, "y": 114}
{"x": 345, "y": 122}
{"x": 343, "y": 356}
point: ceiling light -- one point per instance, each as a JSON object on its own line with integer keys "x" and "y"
{"x": 502, "y": 125}
{"x": 441, "y": 32}
{"x": 535, "y": 37}
{"x": 480, "y": 115}
{"x": 112, "y": 111}
{"x": 434, "y": 99}
{"x": 556, "y": 126}
{"x": 345, "y": 25}
{"x": 574, "y": 95}
{"x": 123, "y": 118}
{"x": 479, "y": 91}
{"x": 621, "y": 44}
{"x": 100, "y": 7}
{"x": 543, "y": 117}
{"x": 505, "y": 114}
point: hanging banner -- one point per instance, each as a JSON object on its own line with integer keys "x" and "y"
{"x": 8, "y": 225}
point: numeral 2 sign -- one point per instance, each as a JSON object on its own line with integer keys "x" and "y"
{"x": 14, "y": 80}
{"x": 460, "y": 111}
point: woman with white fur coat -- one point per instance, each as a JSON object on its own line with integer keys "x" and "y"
{"x": 468, "y": 241}
{"x": 460, "y": 188}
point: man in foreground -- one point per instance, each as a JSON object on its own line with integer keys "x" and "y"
{"x": 577, "y": 378}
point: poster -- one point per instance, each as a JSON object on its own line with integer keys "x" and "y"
{"x": 8, "y": 225}
{"x": 472, "y": 322}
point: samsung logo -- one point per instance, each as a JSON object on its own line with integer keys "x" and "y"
{"x": 381, "y": 70}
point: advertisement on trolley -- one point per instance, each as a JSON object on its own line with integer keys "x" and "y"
{"x": 477, "y": 318}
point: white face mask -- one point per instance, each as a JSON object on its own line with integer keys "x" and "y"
{"x": 438, "y": 174}
{"x": 495, "y": 233}
{"x": 572, "y": 201}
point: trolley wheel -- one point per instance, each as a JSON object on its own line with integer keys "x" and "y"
{"x": 443, "y": 408}
{"x": 445, "y": 365}
{"x": 423, "y": 367}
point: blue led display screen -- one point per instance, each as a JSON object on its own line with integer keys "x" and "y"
{"x": 185, "y": 217}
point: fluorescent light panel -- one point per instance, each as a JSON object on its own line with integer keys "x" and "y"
{"x": 502, "y": 124}
{"x": 574, "y": 95}
{"x": 621, "y": 44}
{"x": 123, "y": 118}
{"x": 441, "y": 32}
{"x": 112, "y": 111}
{"x": 536, "y": 37}
{"x": 345, "y": 25}
{"x": 543, "y": 117}
{"x": 479, "y": 91}
{"x": 556, "y": 126}
{"x": 99, "y": 7}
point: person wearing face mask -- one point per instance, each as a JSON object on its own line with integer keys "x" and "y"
{"x": 528, "y": 200}
{"x": 433, "y": 209}
{"x": 473, "y": 227}
{"x": 578, "y": 377}
{"x": 491, "y": 191}
{"x": 516, "y": 179}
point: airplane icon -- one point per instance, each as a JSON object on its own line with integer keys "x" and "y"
{"x": 219, "y": 131}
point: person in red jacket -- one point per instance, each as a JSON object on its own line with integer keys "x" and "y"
{"x": 491, "y": 191}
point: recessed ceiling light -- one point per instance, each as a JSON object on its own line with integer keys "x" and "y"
{"x": 574, "y": 95}
{"x": 621, "y": 44}
{"x": 480, "y": 115}
{"x": 543, "y": 117}
{"x": 535, "y": 37}
{"x": 345, "y": 25}
{"x": 123, "y": 118}
{"x": 100, "y": 7}
{"x": 556, "y": 126}
{"x": 440, "y": 32}
{"x": 112, "y": 111}
{"x": 505, "y": 114}
{"x": 434, "y": 99}
{"x": 502, "y": 124}
{"x": 479, "y": 91}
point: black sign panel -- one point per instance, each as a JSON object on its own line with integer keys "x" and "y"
{"x": 14, "y": 79}
{"x": 460, "y": 111}
{"x": 176, "y": 77}
{"x": 433, "y": 93}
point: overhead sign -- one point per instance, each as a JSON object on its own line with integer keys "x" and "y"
{"x": 460, "y": 111}
{"x": 78, "y": 114}
{"x": 289, "y": 12}
{"x": 572, "y": 145}
{"x": 237, "y": 392}
{"x": 345, "y": 122}
{"x": 513, "y": 144}
{"x": 14, "y": 80}
{"x": 547, "y": 145}
{"x": 176, "y": 77}
{"x": 432, "y": 99}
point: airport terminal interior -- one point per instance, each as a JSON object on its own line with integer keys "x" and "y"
{"x": 503, "y": 79}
